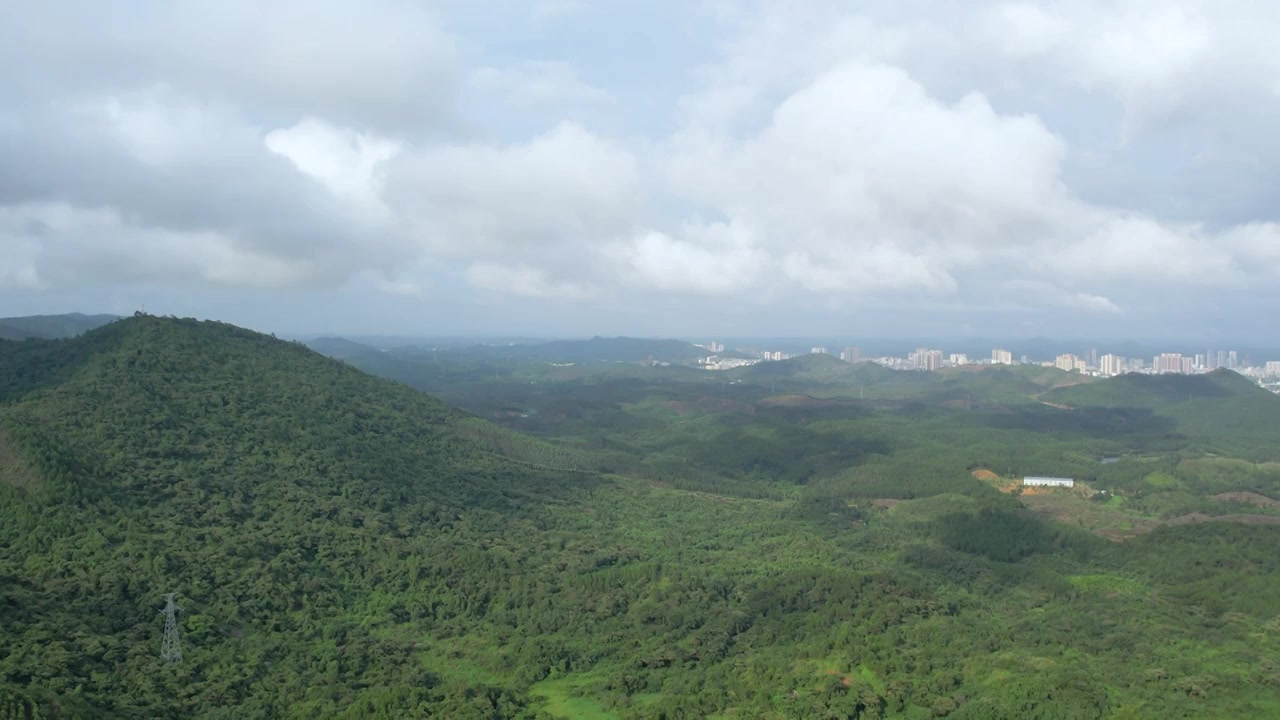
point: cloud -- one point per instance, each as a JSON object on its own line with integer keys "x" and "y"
{"x": 1042, "y": 294}
{"x": 1125, "y": 247}
{"x": 547, "y": 199}
{"x": 536, "y": 85}
{"x": 384, "y": 63}
{"x": 80, "y": 246}
{"x": 525, "y": 280}
{"x": 804, "y": 154}
{"x": 712, "y": 259}
{"x": 155, "y": 168}
{"x": 348, "y": 163}
{"x": 862, "y": 181}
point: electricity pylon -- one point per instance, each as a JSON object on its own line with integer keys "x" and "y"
{"x": 170, "y": 649}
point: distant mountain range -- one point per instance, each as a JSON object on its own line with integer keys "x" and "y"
{"x": 51, "y": 326}
{"x": 596, "y": 349}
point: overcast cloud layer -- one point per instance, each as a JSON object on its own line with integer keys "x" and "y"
{"x": 651, "y": 168}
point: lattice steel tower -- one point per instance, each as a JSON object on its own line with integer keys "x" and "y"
{"x": 170, "y": 648}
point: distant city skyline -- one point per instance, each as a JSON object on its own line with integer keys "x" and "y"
{"x": 1107, "y": 364}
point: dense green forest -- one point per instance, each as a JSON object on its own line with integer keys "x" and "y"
{"x": 619, "y": 541}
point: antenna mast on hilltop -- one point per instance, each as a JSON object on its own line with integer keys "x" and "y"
{"x": 170, "y": 649}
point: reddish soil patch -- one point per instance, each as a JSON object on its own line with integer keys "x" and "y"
{"x": 1038, "y": 490}
{"x": 985, "y": 474}
{"x": 798, "y": 401}
{"x": 1249, "y": 498}
{"x": 708, "y": 405}
{"x": 845, "y": 680}
{"x": 1242, "y": 519}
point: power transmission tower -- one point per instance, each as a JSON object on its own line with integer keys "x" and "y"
{"x": 170, "y": 649}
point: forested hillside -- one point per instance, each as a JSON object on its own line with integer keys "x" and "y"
{"x": 342, "y": 546}
{"x": 276, "y": 491}
{"x": 1230, "y": 412}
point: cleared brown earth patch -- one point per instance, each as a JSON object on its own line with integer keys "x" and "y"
{"x": 885, "y": 503}
{"x": 1003, "y": 484}
{"x": 12, "y": 469}
{"x": 1096, "y": 518}
{"x": 708, "y": 405}
{"x": 799, "y": 401}
{"x": 1248, "y": 498}
{"x": 1241, "y": 519}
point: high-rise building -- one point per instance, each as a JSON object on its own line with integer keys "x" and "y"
{"x": 1066, "y": 362}
{"x": 1001, "y": 357}
{"x": 1188, "y": 365}
{"x": 818, "y": 351}
{"x": 1093, "y": 358}
{"x": 1111, "y": 364}
{"x": 851, "y": 355}
{"x": 925, "y": 359}
{"x": 1232, "y": 360}
{"x": 1272, "y": 368}
{"x": 1167, "y": 363}
{"x": 1222, "y": 359}
{"x": 1199, "y": 361}
{"x": 959, "y": 359}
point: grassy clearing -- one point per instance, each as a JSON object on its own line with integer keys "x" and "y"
{"x": 1107, "y": 584}
{"x": 564, "y": 699}
{"x": 1103, "y": 519}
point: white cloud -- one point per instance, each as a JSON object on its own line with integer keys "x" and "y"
{"x": 535, "y": 85}
{"x": 525, "y": 280}
{"x": 383, "y": 63}
{"x": 861, "y": 181}
{"x": 564, "y": 190}
{"x": 78, "y": 245}
{"x": 1043, "y": 294}
{"x": 1129, "y": 247}
{"x": 824, "y": 153}
{"x": 712, "y": 259}
{"x": 555, "y": 9}
{"x": 346, "y": 162}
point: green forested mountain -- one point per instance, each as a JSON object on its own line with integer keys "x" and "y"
{"x": 51, "y": 326}
{"x": 342, "y": 546}
{"x": 277, "y": 492}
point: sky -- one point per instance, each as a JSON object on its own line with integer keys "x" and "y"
{"x": 657, "y": 167}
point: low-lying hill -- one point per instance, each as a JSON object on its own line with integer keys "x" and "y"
{"x": 1222, "y": 405}
{"x": 818, "y": 368}
{"x": 340, "y": 348}
{"x": 51, "y": 326}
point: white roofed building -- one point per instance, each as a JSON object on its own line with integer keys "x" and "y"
{"x": 1048, "y": 482}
